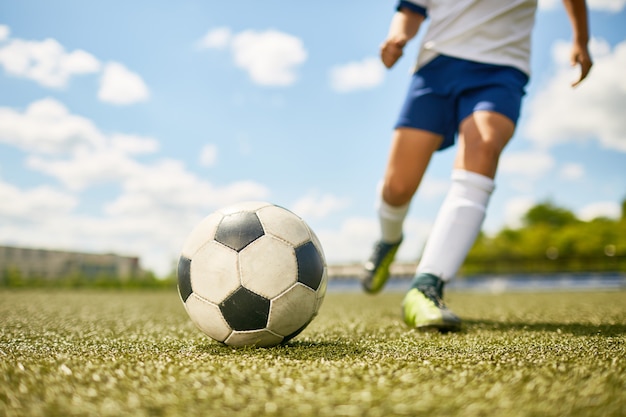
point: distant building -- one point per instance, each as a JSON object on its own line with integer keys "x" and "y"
{"x": 55, "y": 264}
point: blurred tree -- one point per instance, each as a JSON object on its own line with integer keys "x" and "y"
{"x": 548, "y": 214}
{"x": 552, "y": 240}
{"x": 13, "y": 277}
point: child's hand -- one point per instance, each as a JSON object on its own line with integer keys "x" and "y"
{"x": 580, "y": 56}
{"x": 391, "y": 51}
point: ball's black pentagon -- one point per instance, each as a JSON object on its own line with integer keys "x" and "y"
{"x": 310, "y": 265}
{"x": 184, "y": 278}
{"x": 238, "y": 230}
{"x": 245, "y": 310}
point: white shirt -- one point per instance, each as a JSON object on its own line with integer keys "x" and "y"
{"x": 489, "y": 31}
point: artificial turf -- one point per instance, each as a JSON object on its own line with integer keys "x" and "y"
{"x": 84, "y": 353}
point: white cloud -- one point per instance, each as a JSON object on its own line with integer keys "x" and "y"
{"x": 159, "y": 206}
{"x": 167, "y": 186}
{"x": 217, "y": 38}
{"x": 314, "y": 205}
{"x": 515, "y": 209}
{"x": 86, "y": 156}
{"x": 592, "y": 211}
{"x": 134, "y": 144}
{"x": 119, "y": 85}
{"x": 613, "y": 6}
{"x": 432, "y": 188}
{"x": 87, "y": 167}
{"x": 572, "y": 171}
{"x": 360, "y": 75}
{"x": 46, "y": 62}
{"x": 49, "y": 64}
{"x": 5, "y": 31}
{"x": 415, "y": 234}
{"x": 352, "y": 242}
{"x": 592, "y": 111}
{"x": 155, "y": 241}
{"x": 46, "y": 126}
{"x": 208, "y": 155}
{"x": 521, "y": 169}
{"x": 33, "y": 205}
{"x": 158, "y": 203}
{"x": 270, "y": 57}
{"x": 530, "y": 164}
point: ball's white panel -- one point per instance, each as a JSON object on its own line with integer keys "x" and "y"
{"x": 268, "y": 266}
{"x": 292, "y": 309}
{"x": 244, "y": 206}
{"x": 261, "y": 338}
{"x": 201, "y": 234}
{"x": 321, "y": 291}
{"x": 284, "y": 224}
{"x": 214, "y": 273}
{"x": 207, "y": 317}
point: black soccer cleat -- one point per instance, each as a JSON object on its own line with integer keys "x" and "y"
{"x": 376, "y": 269}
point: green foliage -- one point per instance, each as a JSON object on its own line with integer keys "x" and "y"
{"x": 548, "y": 214}
{"x": 552, "y": 240}
{"x": 13, "y": 278}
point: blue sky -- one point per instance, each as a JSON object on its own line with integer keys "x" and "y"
{"x": 123, "y": 124}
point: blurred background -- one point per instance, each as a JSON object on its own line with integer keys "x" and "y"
{"x": 123, "y": 124}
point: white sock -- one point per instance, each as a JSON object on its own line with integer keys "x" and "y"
{"x": 391, "y": 220}
{"x": 457, "y": 225}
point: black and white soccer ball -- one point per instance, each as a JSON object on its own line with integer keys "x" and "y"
{"x": 252, "y": 274}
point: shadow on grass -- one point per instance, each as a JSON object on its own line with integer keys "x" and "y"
{"x": 296, "y": 349}
{"x": 577, "y": 329}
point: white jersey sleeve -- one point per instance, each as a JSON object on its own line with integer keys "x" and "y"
{"x": 489, "y": 31}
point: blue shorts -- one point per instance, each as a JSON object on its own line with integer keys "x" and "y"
{"x": 447, "y": 90}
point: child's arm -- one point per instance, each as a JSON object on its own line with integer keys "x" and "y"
{"x": 577, "y": 12}
{"x": 404, "y": 26}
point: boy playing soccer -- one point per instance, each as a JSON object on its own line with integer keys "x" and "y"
{"x": 473, "y": 65}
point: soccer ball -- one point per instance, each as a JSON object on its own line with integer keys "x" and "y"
{"x": 252, "y": 274}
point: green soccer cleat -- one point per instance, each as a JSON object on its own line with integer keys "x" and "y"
{"x": 376, "y": 270}
{"x": 423, "y": 307}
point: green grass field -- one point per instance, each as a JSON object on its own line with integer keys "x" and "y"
{"x": 84, "y": 353}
